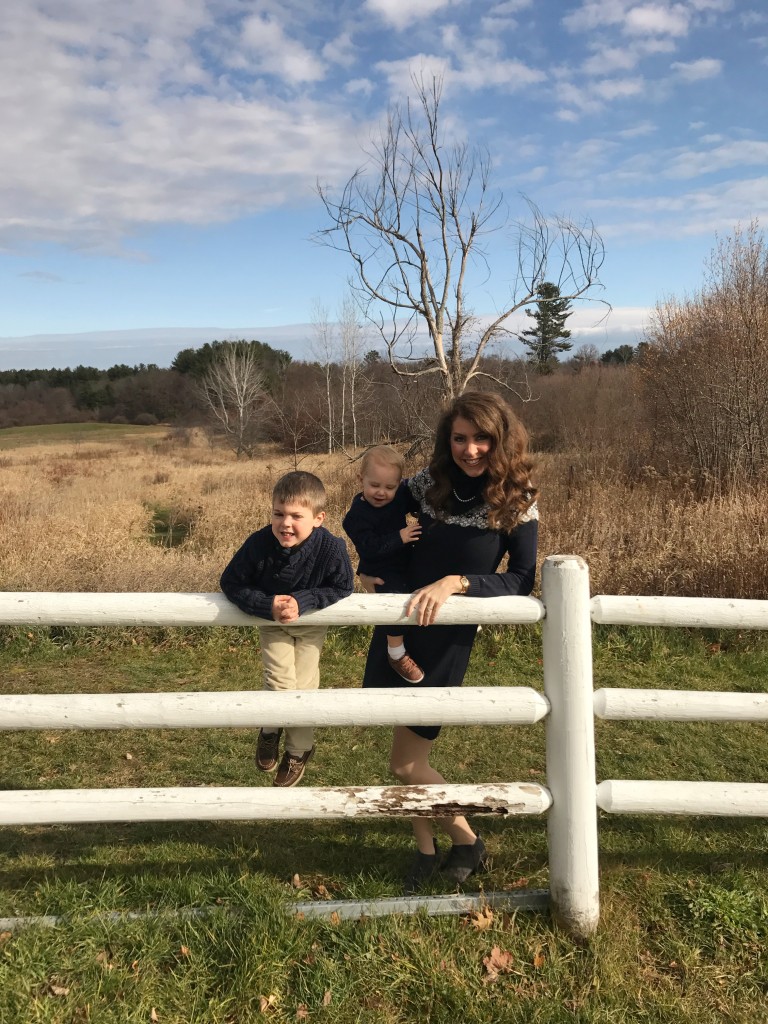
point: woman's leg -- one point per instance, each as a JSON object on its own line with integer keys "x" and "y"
{"x": 409, "y": 762}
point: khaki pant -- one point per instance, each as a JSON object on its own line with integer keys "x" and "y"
{"x": 291, "y": 659}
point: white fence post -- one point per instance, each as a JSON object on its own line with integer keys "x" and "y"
{"x": 570, "y": 729}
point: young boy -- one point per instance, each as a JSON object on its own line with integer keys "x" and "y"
{"x": 376, "y": 524}
{"x": 281, "y": 571}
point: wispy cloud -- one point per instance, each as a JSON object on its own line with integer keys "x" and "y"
{"x": 657, "y": 19}
{"x": 42, "y": 275}
{"x": 736, "y": 153}
{"x": 274, "y": 52}
{"x": 402, "y": 13}
{"x": 696, "y": 70}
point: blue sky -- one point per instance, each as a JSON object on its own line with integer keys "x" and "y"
{"x": 159, "y": 157}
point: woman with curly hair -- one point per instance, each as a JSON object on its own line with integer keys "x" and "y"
{"x": 476, "y": 505}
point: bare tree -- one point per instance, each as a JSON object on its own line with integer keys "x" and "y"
{"x": 413, "y": 223}
{"x": 353, "y": 346}
{"x": 323, "y": 348}
{"x": 232, "y": 389}
{"x": 585, "y": 355}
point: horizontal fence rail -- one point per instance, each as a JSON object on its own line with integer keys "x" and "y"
{"x": 739, "y": 799}
{"x": 475, "y": 705}
{"x": 715, "y": 612}
{"x": 151, "y": 609}
{"x": 239, "y": 803}
{"x": 620, "y": 705}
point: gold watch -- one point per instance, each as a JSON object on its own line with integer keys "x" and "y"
{"x": 464, "y": 584}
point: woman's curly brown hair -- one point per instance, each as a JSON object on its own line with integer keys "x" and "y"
{"x": 509, "y": 491}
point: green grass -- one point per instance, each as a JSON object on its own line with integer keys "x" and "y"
{"x": 684, "y": 915}
{"x": 15, "y": 437}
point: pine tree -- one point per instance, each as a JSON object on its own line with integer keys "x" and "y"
{"x": 542, "y": 341}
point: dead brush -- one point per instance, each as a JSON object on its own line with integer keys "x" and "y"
{"x": 642, "y": 536}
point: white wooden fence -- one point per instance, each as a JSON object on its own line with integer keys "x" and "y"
{"x": 568, "y": 708}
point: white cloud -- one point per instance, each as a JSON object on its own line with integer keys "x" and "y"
{"x": 399, "y": 14}
{"x": 108, "y": 126}
{"x": 617, "y": 88}
{"x": 662, "y": 18}
{"x": 359, "y": 86}
{"x": 611, "y": 58}
{"x": 596, "y": 14}
{"x": 42, "y": 275}
{"x": 592, "y": 97}
{"x": 638, "y": 130}
{"x": 507, "y": 7}
{"x": 738, "y": 153}
{"x": 276, "y": 53}
{"x": 398, "y": 73}
{"x": 698, "y": 213}
{"x": 501, "y": 18}
{"x": 476, "y": 66}
{"x": 586, "y": 157}
{"x": 341, "y": 50}
{"x": 751, "y": 19}
{"x": 656, "y": 19}
{"x": 696, "y": 70}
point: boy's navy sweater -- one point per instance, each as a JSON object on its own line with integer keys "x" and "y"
{"x": 317, "y": 573}
{"x": 375, "y": 532}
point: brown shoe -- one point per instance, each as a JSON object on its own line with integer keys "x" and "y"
{"x": 292, "y": 768}
{"x": 267, "y": 750}
{"x": 406, "y": 668}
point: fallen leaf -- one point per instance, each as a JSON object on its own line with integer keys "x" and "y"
{"x": 129, "y": 757}
{"x": 104, "y": 958}
{"x": 153, "y": 1014}
{"x": 184, "y": 951}
{"x": 481, "y": 919}
{"x": 267, "y": 1003}
{"x": 57, "y": 990}
{"x": 538, "y": 959}
{"x": 296, "y": 882}
{"x": 498, "y": 962}
{"x": 334, "y": 918}
{"x": 327, "y": 997}
{"x": 302, "y": 1012}
{"x": 4, "y": 936}
{"x": 321, "y": 892}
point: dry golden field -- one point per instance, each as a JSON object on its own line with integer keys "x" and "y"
{"x": 78, "y": 515}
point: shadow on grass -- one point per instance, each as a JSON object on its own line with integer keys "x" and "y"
{"x": 379, "y": 850}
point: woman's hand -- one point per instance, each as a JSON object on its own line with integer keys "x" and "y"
{"x": 428, "y": 601}
{"x": 369, "y": 583}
